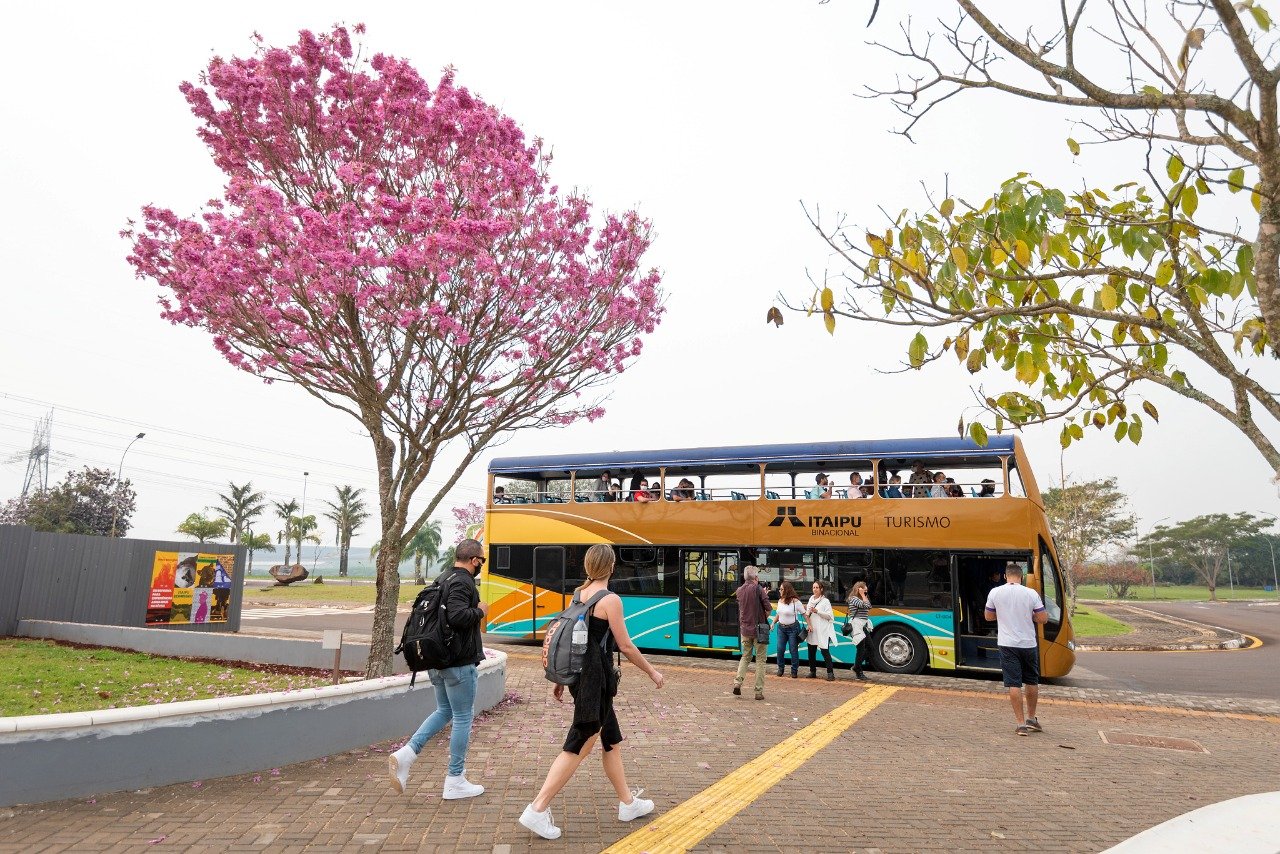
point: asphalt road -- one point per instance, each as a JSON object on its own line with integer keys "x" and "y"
{"x": 1218, "y": 673}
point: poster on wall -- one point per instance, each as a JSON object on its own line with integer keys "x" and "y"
{"x": 189, "y": 587}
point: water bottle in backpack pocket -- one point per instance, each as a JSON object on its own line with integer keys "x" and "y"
{"x": 565, "y": 644}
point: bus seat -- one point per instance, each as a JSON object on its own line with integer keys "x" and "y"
{"x": 772, "y": 496}
{"x": 702, "y": 495}
{"x": 842, "y": 493}
{"x": 738, "y": 496}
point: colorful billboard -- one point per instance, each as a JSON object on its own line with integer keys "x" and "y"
{"x": 189, "y": 587}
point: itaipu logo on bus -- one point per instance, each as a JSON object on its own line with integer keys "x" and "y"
{"x": 819, "y": 526}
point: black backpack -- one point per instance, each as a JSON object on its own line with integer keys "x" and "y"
{"x": 559, "y": 662}
{"x": 428, "y": 642}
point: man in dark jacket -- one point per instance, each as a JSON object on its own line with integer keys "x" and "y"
{"x": 455, "y": 686}
{"x": 753, "y": 609}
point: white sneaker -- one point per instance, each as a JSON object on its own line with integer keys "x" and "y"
{"x": 398, "y": 764}
{"x": 540, "y": 823}
{"x": 457, "y": 788}
{"x": 638, "y": 807}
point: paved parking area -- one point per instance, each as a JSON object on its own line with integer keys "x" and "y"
{"x": 929, "y": 765}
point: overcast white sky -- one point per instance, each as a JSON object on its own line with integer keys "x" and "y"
{"x": 715, "y": 119}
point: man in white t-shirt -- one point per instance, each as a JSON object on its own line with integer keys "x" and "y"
{"x": 1017, "y": 610}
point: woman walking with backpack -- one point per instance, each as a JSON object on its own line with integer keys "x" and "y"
{"x": 593, "y": 714}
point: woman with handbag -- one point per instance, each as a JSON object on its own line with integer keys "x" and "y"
{"x": 822, "y": 629}
{"x": 789, "y": 626}
{"x": 858, "y": 626}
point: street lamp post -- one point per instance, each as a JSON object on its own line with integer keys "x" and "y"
{"x": 305, "y": 475}
{"x": 115, "y": 513}
{"x": 1275, "y": 582}
{"x": 249, "y": 568}
{"x": 1151, "y": 556}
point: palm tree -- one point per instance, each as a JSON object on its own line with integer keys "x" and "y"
{"x": 201, "y": 529}
{"x": 425, "y": 545}
{"x": 300, "y": 528}
{"x": 240, "y": 508}
{"x": 348, "y": 514}
{"x": 285, "y": 510}
{"x": 256, "y": 542}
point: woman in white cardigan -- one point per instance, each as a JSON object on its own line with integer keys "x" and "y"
{"x": 822, "y": 629}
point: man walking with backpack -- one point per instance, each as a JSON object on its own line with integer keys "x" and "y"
{"x": 455, "y": 685}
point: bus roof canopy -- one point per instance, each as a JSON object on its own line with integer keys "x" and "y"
{"x": 894, "y": 453}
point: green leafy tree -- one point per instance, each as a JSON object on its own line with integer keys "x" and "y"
{"x": 348, "y": 513}
{"x": 86, "y": 502}
{"x": 1085, "y": 519}
{"x": 202, "y": 528}
{"x": 1196, "y": 78}
{"x": 285, "y": 510}
{"x": 240, "y": 506}
{"x": 425, "y": 546}
{"x": 256, "y": 543}
{"x": 1202, "y": 542}
{"x": 1084, "y": 300}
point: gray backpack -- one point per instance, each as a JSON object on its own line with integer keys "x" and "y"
{"x": 562, "y": 664}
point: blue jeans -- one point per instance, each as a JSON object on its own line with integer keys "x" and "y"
{"x": 789, "y": 640}
{"x": 455, "y": 700}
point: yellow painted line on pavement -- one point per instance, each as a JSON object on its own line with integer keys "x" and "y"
{"x": 682, "y": 828}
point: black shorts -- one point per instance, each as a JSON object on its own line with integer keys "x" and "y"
{"x": 1020, "y": 664}
{"x": 610, "y": 734}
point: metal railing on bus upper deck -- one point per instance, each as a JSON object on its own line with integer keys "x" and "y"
{"x": 986, "y": 488}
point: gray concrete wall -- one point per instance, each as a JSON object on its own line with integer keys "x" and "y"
{"x": 102, "y": 580}
{"x": 121, "y": 749}
{"x": 293, "y": 652}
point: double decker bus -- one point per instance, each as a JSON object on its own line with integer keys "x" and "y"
{"x": 928, "y": 557}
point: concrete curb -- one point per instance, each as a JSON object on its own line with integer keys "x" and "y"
{"x": 1233, "y": 639}
{"x": 52, "y": 757}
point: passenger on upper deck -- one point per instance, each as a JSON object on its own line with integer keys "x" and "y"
{"x": 615, "y": 491}
{"x": 601, "y": 490}
{"x": 953, "y": 489}
{"x": 988, "y": 488}
{"x": 939, "y": 489}
{"x": 895, "y": 487}
{"x": 855, "y": 486}
{"x": 500, "y": 495}
{"x": 822, "y": 490}
{"x": 919, "y": 475}
{"x": 683, "y": 490}
{"x": 640, "y": 489}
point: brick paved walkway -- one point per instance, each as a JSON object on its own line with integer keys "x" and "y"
{"x": 940, "y": 764}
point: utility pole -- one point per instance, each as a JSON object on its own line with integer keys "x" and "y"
{"x": 1230, "y": 579}
{"x": 1151, "y": 555}
{"x": 1275, "y": 582}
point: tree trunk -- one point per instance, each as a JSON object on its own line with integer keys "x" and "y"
{"x": 387, "y": 584}
{"x": 249, "y": 569}
{"x": 417, "y": 570}
{"x": 287, "y": 546}
{"x": 342, "y": 557}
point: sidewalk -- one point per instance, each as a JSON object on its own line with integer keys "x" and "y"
{"x": 933, "y": 767}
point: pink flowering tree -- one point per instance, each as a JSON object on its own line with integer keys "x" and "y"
{"x": 398, "y": 251}
{"x": 466, "y": 519}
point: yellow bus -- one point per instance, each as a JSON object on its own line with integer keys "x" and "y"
{"x": 928, "y": 524}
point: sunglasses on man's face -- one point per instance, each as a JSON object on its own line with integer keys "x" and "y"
{"x": 481, "y": 559}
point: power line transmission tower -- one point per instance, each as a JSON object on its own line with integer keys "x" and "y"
{"x": 38, "y": 457}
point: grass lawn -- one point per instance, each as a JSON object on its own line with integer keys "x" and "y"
{"x": 335, "y": 592}
{"x": 1092, "y": 624}
{"x": 40, "y": 677}
{"x": 1181, "y": 592}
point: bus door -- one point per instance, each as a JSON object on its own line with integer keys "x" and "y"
{"x": 708, "y": 606}
{"x": 548, "y": 586}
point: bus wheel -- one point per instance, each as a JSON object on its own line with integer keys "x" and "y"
{"x": 898, "y": 649}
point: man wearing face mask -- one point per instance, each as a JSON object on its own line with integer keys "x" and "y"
{"x": 455, "y": 686}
